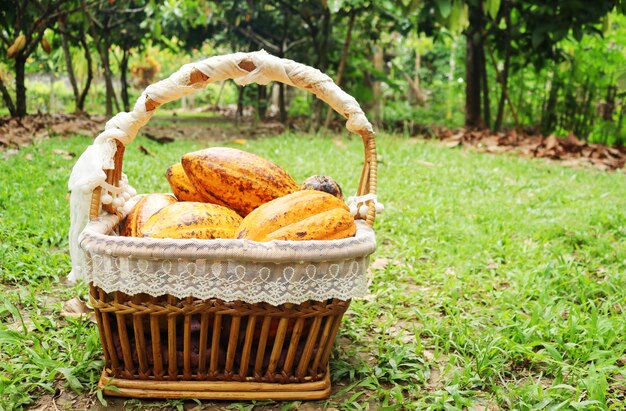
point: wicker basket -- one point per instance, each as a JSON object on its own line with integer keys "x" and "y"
{"x": 185, "y": 345}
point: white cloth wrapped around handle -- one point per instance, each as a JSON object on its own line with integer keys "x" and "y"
{"x": 245, "y": 68}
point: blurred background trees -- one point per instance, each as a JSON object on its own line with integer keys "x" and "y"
{"x": 549, "y": 66}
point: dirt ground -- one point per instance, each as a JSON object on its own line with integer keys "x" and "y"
{"x": 16, "y": 133}
{"x": 571, "y": 151}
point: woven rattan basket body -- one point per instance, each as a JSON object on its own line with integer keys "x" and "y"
{"x": 181, "y": 345}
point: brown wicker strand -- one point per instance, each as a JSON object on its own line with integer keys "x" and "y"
{"x": 333, "y": 334}
{"x": 247, "y": 347}
{"x": 140, "y": 345}
{"x": 203, "y": 345}
{"x": 129, "y": 369}
{"x": 155, "y": 335}
{"x": 215, "y": 346}
{"x": 216, "y": 307}
{"x": 323, "y": 340}
{"x": 187, "y": 347}
{"x": 293, "y": 346}
{"x": 106, "y": 325}
{"x": 101, "y": 332}
{"x": 232, "y": 346}
{"x": 277, "y": 349}
{"x": 260, "y": 354}
{"x": 303, "y": 365}
{"x": 172, "y": 369}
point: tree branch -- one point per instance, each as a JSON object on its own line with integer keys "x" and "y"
{"x": 258, "y": 39}
{"x": 295, "y": 43}
{"x": 307, "y": 20}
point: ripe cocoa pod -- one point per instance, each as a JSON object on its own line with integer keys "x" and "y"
{"x": 182, "y": 187}
{"x": 323, "y": 183}
{"x": 241, "y": 180}
{"x": 303, "y": 215}
{"x": 17, "y": 46}
{"x": 142, "y": 211}
{"x": 192, "y": 220}
{"x": 45, "y": 45}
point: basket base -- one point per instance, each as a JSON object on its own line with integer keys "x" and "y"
{"x": 216, "y": 390}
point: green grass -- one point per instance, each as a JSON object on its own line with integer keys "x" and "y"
{"x": 504, "y": 286}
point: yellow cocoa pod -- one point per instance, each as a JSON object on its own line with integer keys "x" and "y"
{"x": 241, "y": 180}
{"x": 17, "y": 46}
{"x": 303, "y": 215}
{"x": 192, "y": 220}
{"x": 183, "y": 189}
{"x": 143, "y": 210}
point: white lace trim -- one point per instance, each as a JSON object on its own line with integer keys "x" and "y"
{"x": 228, "y": 269}
{"x": 229, "y": 280}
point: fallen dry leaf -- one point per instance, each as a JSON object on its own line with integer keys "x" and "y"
{"x": 380, "y": 263}
{"x": 76, "y": 308}
{"x": 369, "y": 297}
{"x": 492, "y": 265}
{"x": 160, "y": 140}
{"x": 146, "y": 151}
{"x": 425, "y": 163}
{"x": 10, "y": 153}
{"x": 340, "y": 143}
{"x": 571, "y": 151}
{"x": 66, "y": 155}
{"x": 428, "y": 355}
{"x": 29, "y": 157}
{"x": 451, "y": 143}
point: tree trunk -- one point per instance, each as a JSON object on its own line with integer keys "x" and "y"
{"x": 20, "y": 85}
{"x": 261, "y": 101}
{"x": 485, "y": 88}
{"x": 416, "y": 77}
{"x": 504, "y": 78}
{"x": 80, "y": 104}
{"x": 504, "y": 75}
{"x": 321, "y": 42}
{"x": 609, "y": 106}
{"x": 472, "y": 72}
{"x": 620, "y": 139}
{"x": 240, "y": 101}
{"x": 451, "y": 73}
{"x": 589, "y": 115}
{"x": 51, "y": 99}
{"x": 376, "y": 87}
{"x": 6, "y": 96}
{"x": 68, "y": 63}
{"x": 549, "y": 120}
{"x": 282, "y": 109}
{"x": 124, "y": 78}
{"x": 472, "y": 86}
{"x": 342, "y": 62}
{"x": 108, "y": 81}
{"x": 219, "y": 95}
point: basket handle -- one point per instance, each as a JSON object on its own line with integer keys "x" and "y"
{"x": 245, "y": 68}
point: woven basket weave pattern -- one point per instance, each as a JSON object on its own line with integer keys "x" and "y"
{"x": 174, "y": 339}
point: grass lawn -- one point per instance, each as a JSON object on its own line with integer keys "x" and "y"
{"x": 498, "y": 282}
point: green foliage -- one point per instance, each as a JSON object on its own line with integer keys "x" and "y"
{"x": 566, "y": 46}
